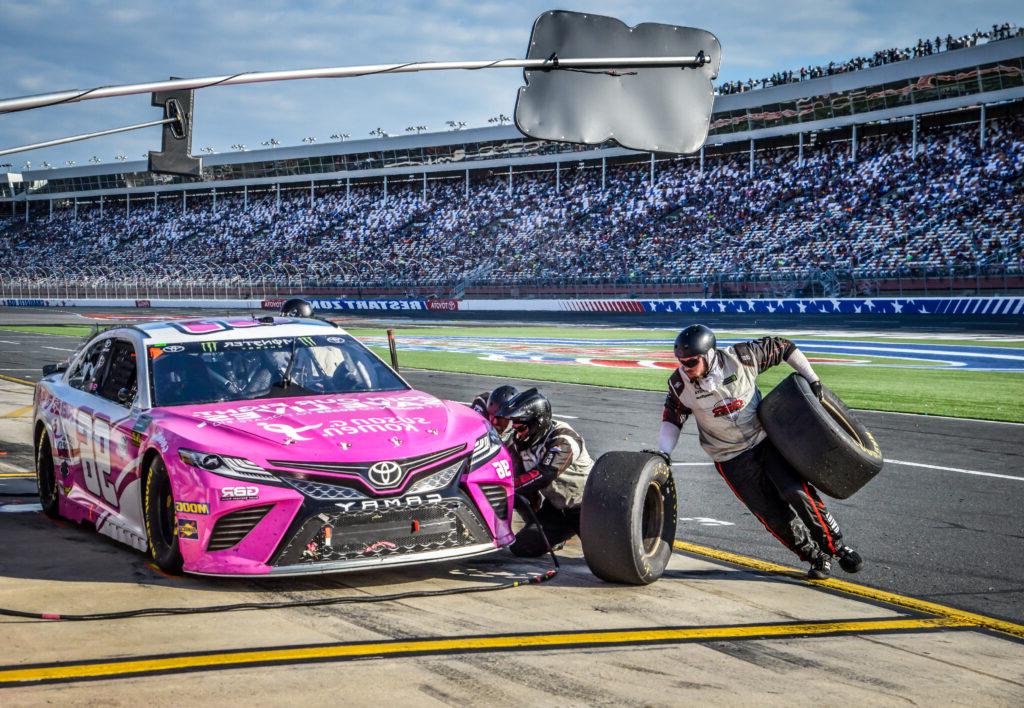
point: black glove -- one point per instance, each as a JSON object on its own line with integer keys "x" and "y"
{"x": 816, "y": 389}
{"x": 663, "y": 455}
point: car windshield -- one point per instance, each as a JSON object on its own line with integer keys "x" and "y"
{"x": 279, "y": 367}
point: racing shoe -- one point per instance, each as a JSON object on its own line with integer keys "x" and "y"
{"x": 821, "y": 567}
{"x": 849, "y": 559}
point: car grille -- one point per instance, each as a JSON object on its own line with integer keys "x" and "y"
{"x": 232, "y": 528}
{"x": 324, "y": 491}
{"x": 497, "y": 497}
{"x": 435, "y": 480}
{"x": 327, "y": 537}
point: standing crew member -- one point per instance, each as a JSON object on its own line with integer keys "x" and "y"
{"x": 555, "y": 465}
{"x": 718, "y": 387}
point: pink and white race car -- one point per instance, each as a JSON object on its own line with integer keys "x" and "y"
{"x": 272, "y": 446}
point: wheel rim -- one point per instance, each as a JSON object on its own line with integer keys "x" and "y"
{"x": 165, "y": 516}
{"x": 845, "y": 425}
{"x": 653, "y": 518}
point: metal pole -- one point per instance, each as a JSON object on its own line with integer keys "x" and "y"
{"x": 278, "y": 186}
{"x": 604, "y": 168}
{"x": 49, "y": 216}
{"x": 252, "y": 77}
{"x": 214, "y": 192}
{"x": 84, "y": 136}
{"x": 386, "y": 186}
{"x": 245, "y": 196}
{"x": 981, "y": 128}
{"x": 913, "y": 138}
{"x": 701, "y": 158}
{"x": 510, "y": 180}
{"x": 799, "y": 156}
{"x": 558, "y": 176}
{"x": 154, "y": 202}
{"x": 853, "y": 144}
{"x": 76, "y": 208}
{"x": 652, "y": 170}
{"x": 424, "y": 186}
{"x": 183, "y": 201}
{"x": 127, "y": 205}
{"x": 312, "y": 194}
{"x": 101, "y": 206}
{"x": 751, "y": 157}
{"x": 26, "y": 210}
{"x": 467, "y": 183}
{"x": 348, "y": 185}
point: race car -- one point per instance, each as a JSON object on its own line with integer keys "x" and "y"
{"x": 264, "y": 447}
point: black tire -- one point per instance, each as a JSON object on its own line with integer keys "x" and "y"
{"x": 628, "y": 520}
{"x": 46, "y": 477}
{"x": 823, "y": 440}
{"x": 161, "y": 521}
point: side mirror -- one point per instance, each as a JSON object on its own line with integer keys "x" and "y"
{"x": 55, "y": 368}
{"x": 124, "y": 396}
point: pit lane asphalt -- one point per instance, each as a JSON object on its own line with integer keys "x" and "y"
{"x": 941, "y": 535}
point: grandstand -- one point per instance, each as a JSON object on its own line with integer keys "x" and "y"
{"x": 906, "y": 176}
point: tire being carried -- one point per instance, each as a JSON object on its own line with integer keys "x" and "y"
{"x": 823, "y": 440}
{"x": 628, "y": 519}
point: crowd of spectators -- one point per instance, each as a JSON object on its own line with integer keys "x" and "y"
{"x": 879, "y": 212}
{"x": 924, "y": 47}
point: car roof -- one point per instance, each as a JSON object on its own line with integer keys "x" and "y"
{"x": 232, "y": 327}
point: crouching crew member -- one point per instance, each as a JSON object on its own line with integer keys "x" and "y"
{"x": 718, "y": 387}
{"x": 488, "y": 403}
{"x": 555, "y": 465}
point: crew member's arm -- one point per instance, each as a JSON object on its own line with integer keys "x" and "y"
{"x": 559, "y": 452}
{"x": 672, "y": 417}
{"x": 767, "y": 352}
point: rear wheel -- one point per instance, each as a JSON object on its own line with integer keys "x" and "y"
{"x": 161, "y": 521}
{"x": 46, "y": 477}
{"x": 628, "y": 520}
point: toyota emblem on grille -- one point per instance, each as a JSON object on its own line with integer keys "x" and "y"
{"x": 385, "y": 474}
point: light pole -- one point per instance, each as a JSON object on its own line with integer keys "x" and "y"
{"x": 239, "y": 147}
{"x": 455, "y": 124}
{"x": 272, "y": 142}
{"x": 309, "y": 139}
{"x": 340, "y": 136}
{"x": 416, "y": 128}
{"x": 208, "y": 150}
{"x": 379, "y": 131}
{"x": 500, "y": 119}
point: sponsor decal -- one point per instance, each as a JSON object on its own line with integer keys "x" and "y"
{"x": 389, "y": 305}
{"x": 729, "y": 379}
{"x": 143, "y": 303}
{"x": 273, "y": 304}
{"x": 444, "y": 304}
{"x": 384, "y": 504}
{"x": 289, "y": 430}
{"x": 336, "y": 340}
{"x": 237, "y": 493}
{"x": 502, "y": 469}
{"x": 331, "y": 404}
{"x": 188, "y": 529}
{"x": 182, "y": 507}
{"x": 173, "y": 349}
{"x": 385, "y": 474}
{"x": 206, "y": 346}
{"x": 727, "y": 407}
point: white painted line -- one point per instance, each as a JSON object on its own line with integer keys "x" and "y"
{"x": 570, "y": 417}
{"x": 59, "y": 349}
{"x": 692, "y": 464}
{"x": 20, "y": 508}
{"x": 941, "y": 417}
{"x": 954, "y": 469}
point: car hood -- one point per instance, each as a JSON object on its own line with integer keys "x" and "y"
{"x": 335, "y": 428}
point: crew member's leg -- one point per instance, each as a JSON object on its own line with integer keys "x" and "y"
{"x": 748, "y": 481}
{"x": 557, "y": 525}
{"x": 804, "y": 499}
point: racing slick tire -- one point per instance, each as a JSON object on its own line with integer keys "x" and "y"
{"x": 823, "y": 440}
{"x": 628, "y": 517}
{"x": 46, "y": 477}
{"x": 161, "y": 521}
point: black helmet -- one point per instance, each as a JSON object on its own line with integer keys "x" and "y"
{"x": 530, "y": 413}
{"x": 499, "y": 397}
{"x": 695, "y": 340}
{"x": 297, "y": 307}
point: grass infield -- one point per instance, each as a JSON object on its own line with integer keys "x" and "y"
{"x": 963, "y": 394}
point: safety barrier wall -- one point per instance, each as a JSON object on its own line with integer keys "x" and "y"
{"x": 959, "y": 306}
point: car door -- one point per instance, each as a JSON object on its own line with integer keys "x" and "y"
{"x": 103, "y": 386}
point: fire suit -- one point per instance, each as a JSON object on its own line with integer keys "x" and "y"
{"x": 555, "y": 473}
{"x": 724, "y": 405}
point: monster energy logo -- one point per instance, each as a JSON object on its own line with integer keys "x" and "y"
{"x": 209, "y": 346}
{"x": 308, "y": 341}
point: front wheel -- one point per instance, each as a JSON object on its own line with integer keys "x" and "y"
{"x": 628, "y": 520}
{"x": 161, "y": 521}
{"x": 46, "y": 478}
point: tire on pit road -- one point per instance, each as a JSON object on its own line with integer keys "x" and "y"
{"x": 628, "y": 520}
{"x": 46, "y": 477}
{"x": 823, "y": 440}
{"x": 161, "y": 520}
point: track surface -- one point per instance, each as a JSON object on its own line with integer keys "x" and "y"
{"x": 948, "y": 535}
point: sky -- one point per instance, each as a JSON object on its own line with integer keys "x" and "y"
{"x": 51, "y": 45}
